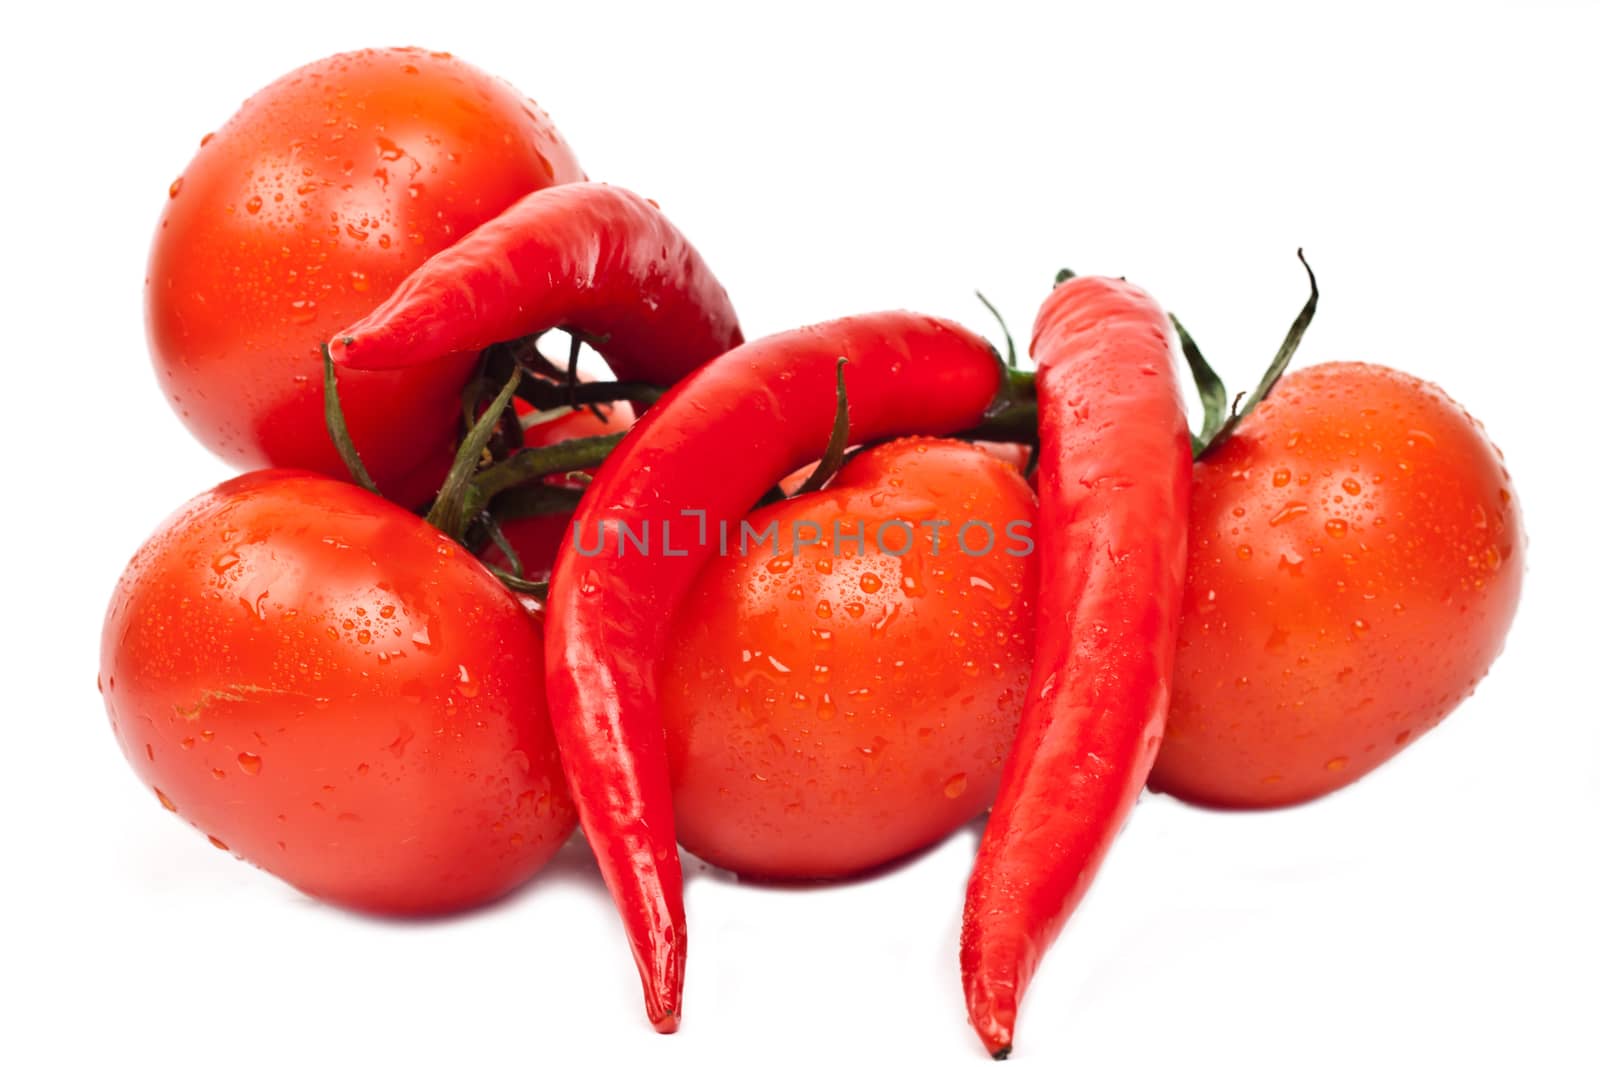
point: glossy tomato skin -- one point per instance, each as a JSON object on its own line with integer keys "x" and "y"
{"x": 298, "y": 216}
{"x": 826, "y": 714}
{"x": 333, "y": 690}
{"x": 1355, "y": 558}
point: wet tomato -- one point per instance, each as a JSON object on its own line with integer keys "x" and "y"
{"x": 302, "y": 213}
{"x": 834, "y": 706}
{"x": 1355, "y": 558}
{"x": 333, "y": 690}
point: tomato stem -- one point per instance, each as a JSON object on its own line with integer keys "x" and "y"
{"x": 518, "y": 584}
{"x": 544, "y": 394}
{"x": 532, "y": 464}
{"x": 453, "y": 507}
{"x": 531, "y": 501}
{"x": 492, "y": 526}
{"x": 1013, "y": 415}
{"x": 1210, "y": 384}
{"x": 333, "y": 416}
{"x": 1011, "y": 345}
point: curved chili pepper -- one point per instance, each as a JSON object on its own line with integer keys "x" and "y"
{"x": 1113, "y": 505}
{"x": 702, "y": 455}
{"x": 591, "y": 258}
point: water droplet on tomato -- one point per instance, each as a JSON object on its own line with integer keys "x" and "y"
{"x": 166, "y": 801}
{"x": 1292, "y": 510}
{"x": 402, "y": 739}
{"x": 875, "y": 748}
{"x": 217, "y": 842}
{"x": 955, "y": 785}
{"x": 175, "y": 188}
{"x": 250, "y": 763}
{"x": 1337, "y": 763}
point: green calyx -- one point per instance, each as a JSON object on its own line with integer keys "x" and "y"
{"x": 1219, "y": 420}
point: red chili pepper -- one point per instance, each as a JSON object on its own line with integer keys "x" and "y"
{"x": 591, "y": 258}
{"x": 712, "y": 446}
{"x": 1113, "y": 505}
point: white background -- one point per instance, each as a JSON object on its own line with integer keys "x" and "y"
{"x": 1439, "y": 165}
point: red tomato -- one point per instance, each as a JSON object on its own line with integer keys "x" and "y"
{"x": 826, "y": 713}
{"x": 298, "y": 216}
{"x": 1355, "y": 557}
{"x": 338, "y": 693}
